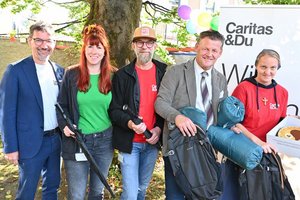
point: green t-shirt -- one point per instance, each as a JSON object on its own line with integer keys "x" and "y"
{"x": 93, "y": 106}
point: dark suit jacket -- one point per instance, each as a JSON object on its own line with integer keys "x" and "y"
{"x": 178, "y": 90}
{"x": 21, "y": 108}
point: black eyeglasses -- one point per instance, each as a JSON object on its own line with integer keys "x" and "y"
{"x": 140, "y": 44}
{"x": 39, "y": 41}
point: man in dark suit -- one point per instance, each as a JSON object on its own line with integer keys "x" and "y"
{"x": 30, "y": 136}
{"x": 182, "y": 86}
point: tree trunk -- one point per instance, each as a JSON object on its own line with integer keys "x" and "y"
{"x": 119, "y": 19}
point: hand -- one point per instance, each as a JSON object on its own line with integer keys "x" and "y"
{"x": 236, "y": 129}
{"x": 139, "y": 129}
{"x": 268, "y": 148}
{"x": 12, "y": 157}
{"x": 155, "y": 135}
{"x": 185, "y": 125}
{"x": 68, "y": 132}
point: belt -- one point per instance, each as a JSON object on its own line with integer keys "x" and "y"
{"x": 51, "y": 132}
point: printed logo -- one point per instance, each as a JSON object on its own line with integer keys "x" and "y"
{"x": 145, "y": 32}
{"x": 241, "y": 34}
{"x": 273, "y": 106}
{"x": 154, "y": 88}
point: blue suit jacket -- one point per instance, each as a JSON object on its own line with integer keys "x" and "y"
{"x": 21, "y": 108}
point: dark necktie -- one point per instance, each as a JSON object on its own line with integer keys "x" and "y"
{"x": 205, "y": 99}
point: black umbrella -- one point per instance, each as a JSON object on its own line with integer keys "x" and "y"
{"x": 88, "y": 155}
{"x": 136, "y": 120}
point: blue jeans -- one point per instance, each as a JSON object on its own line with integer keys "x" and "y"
{"x": 137, "y": 169}
{"x": 172, "y": 191}
{"x": 46, "y": 164}
{"x": 77, "y": 172}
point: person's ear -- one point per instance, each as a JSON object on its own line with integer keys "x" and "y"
{"x": 196, "y": 46}
{"x": 29, "y": 41}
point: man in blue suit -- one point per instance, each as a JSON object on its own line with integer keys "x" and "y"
{"x": 30, "y": 136}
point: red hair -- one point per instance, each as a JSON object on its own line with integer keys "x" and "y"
{"x": 94, "y": 35}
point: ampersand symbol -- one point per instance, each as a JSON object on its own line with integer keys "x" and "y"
{"x": 228, "y": 41}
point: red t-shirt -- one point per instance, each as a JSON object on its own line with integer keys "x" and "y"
{"x": 261, "y": 121}
{"x": 148, "y": 93}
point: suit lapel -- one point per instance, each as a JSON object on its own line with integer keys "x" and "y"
{"x": 190, "y": 78}
{"x": 31, "y": 76}
{"x": 216, "y": 90}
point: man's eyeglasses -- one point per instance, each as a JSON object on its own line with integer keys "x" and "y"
{"x": 39, "y": 41}
{"x": 140, "y": 44}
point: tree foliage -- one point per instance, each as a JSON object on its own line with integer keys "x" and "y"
{"x": 157, "y": 15}
{"x": 20, "y": 5}
{"x": 119, "y": 18}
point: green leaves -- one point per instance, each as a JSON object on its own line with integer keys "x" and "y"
{"x": 17, "y": 6}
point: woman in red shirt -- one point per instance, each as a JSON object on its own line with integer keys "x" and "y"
{"x": 265, "y": 104}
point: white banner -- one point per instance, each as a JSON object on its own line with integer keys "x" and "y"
{"x": 248, "y": 30}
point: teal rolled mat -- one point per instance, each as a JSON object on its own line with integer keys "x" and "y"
{"x": 237, "y": 147}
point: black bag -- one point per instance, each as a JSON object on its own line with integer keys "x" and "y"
{"x": 194, "y": 165}
{"x": 265, "y": 182}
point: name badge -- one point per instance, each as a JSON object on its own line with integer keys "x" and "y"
{"x": 80, "y": 157}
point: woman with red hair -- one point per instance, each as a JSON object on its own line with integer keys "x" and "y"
{"x": 85, "y": 96}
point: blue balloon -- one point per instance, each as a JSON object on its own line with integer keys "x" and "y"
{"x": 191, "y": 27}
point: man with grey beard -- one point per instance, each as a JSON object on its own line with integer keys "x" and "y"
{"x": 136, "y": 85}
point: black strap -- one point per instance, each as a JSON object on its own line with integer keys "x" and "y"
{"x": 55, "y": 74}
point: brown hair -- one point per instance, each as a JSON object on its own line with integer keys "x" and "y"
{"x": 213, "y": 35}
{"x": 94, "y": 35}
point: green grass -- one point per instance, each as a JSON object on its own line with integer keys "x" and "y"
{"x": 13, "y": 51}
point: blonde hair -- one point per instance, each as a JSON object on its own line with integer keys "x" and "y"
{"x": 270, "y": 52}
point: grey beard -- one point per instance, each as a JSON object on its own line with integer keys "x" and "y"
{"x": 145, "y": 58}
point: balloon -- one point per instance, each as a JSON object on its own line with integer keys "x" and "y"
{"x": 191, "y": 27}
{"x": 214, "y": 23}
{"x": 204, "y": 19}
{"x": 184, "y": 12}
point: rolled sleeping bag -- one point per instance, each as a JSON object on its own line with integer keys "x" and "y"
{"x": 230, "y": 111}
{"x": 197, "y": 116}
{"x": 237, "y": 147}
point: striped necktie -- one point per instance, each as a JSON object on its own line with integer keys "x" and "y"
{"x": 205, "y": 99}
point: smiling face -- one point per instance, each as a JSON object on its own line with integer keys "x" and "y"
{"x": 208, "y": 52}
{"x": 94, "y": 54}
{"x": 266, "y": 69}
{"x": 42, "y": 45}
